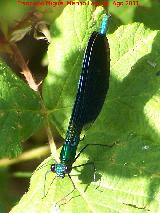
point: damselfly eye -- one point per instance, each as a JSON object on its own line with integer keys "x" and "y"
{"x": 68, "y": 169}
{"x": 53, "y": 167}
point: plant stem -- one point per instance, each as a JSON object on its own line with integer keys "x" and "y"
{"x": 30, "y": 80}
{"x": 28, "y": 155}
{"x": 22, "y": 64}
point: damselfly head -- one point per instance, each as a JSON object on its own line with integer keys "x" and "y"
{"x": 61, "y": 169}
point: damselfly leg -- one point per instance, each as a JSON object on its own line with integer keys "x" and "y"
{"x": 96, "y": 144}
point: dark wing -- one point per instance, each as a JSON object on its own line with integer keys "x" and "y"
{"x": 93, "y": 83}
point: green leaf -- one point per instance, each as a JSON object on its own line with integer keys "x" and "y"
{"x": 18, "y": 11}
{"x": 128, "y": 174}
{"x": 146, "y": 12}
{"x": 20, "y": 112}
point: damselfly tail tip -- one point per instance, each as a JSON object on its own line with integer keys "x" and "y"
{"x": 104, "y": 24}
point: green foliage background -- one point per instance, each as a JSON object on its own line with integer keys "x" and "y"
{"x": 128, "y": 175}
